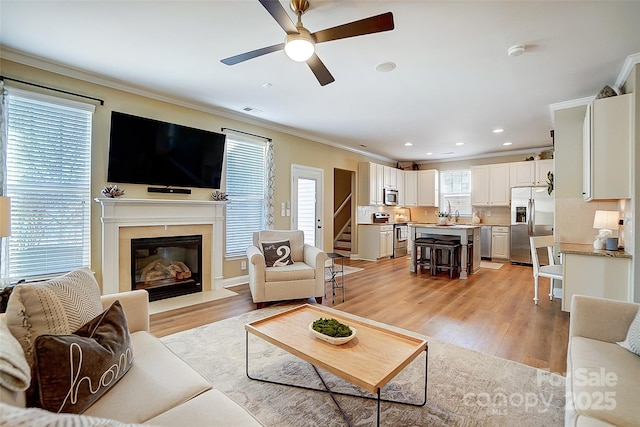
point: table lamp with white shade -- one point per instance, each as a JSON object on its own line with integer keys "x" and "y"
{"x": 606, "y": 222}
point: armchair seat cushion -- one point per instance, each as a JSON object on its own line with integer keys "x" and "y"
{"x": 297, "y": 271}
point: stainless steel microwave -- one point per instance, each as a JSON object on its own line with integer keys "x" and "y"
{"x": 390, "y": 197}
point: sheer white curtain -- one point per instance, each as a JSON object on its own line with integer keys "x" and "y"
{"x": 4, "y": 242}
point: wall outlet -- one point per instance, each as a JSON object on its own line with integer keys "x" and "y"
{"x": 488, "y": 213}
{"x": 243, "y": 265}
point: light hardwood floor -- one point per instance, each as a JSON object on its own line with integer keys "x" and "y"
{"x": 491, "y": 312}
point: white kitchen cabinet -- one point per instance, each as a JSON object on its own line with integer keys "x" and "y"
{"x": 522, "y": 174}
{"x": 499, "y": 190}
{"x": 411, "y": 188}
{"x": 596, "y": 276}
{"x": 543, "y": 167}
{"x": 480, "y": 185}
{"x": 428, "y": 193}
{"x": 400, "y": 187}
{"x": 526, "y": 174}
{"x": 490, "y": 185}
{"x": 389, "y": 177}
{"x": 370, "y": 184}
{"x": 607, "y": 162}
{"x": 500, "y": 242}
{"x": 375, "y": 241}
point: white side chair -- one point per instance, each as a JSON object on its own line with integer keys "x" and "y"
{"x": 552, "y": 271}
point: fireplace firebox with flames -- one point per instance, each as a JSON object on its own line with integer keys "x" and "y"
{"x": 167, "y": 267}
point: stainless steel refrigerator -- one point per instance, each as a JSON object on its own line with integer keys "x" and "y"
{"x": 531, "y": 215}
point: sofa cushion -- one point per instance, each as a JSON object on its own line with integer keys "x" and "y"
{"x": 15, "y": 373}
{"x": 277, "y": 254}
{"x": 57, "y": 306}
{"x": 73, "y": 371}
{"x": 603, "y": 382}
{"x": 158, "y": 381}
{"x": 297, "y": 271}
{"x": 34, "y": 417}
{"x": 212, "y": 408}
{"x": 295, "y": 238}
{"x": 632, "y": 342}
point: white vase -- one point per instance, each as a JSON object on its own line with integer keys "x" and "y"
{"x": 442, "y": 220}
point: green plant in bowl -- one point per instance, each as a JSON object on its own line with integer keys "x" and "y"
{"x": 331, "y": 327}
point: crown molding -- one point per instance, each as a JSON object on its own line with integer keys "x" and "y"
{"x": 494, "y": 154}
{"x": 629, "y": 63}
{"x": 76, "y": 73}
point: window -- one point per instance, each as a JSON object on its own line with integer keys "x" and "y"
{"x": 246, "y": 187}
{"x": 48, "y": 178}
{"x": 455, "y": 191}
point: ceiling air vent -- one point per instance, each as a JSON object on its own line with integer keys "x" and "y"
{"x": 251, "y": 110}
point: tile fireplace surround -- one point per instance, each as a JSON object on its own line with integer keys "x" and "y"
{"x": 126, "y": 219}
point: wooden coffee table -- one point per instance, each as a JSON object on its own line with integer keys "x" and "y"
{"x": 370, "y": 360}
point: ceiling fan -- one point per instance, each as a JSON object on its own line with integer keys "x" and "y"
{"x": 299, "y": 42}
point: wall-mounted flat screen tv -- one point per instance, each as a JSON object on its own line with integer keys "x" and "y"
{"x": 146, "y": 151}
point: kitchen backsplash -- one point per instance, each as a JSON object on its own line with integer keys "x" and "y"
{"x": 488, "y": 215}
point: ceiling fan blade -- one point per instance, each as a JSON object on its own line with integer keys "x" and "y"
{"x": 276, "y": 10}
{"x": 374, "y": 24}
{"x": 320, "y": 70}
{"x": 232, "y": 60}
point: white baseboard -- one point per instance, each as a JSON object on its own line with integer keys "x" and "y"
{"x": 235, "y": 281}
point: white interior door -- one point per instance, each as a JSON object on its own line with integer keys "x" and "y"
{"x": 306, "y": 203}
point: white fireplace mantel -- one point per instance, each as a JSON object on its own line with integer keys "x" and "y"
{"x": 118, "y": 213}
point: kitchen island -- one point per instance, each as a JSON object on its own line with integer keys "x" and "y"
{"x": 465, "y": 232}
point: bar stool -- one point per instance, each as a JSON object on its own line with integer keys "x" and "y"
{"x": 423, "y": 261}
{"x": 451, "y": 249}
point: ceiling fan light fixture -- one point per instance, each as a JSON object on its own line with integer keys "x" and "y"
{"x": 299, "y": 47}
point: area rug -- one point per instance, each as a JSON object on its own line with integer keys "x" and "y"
{"x": 347, "y": 270}
{"x": 491, "y": 265}
{"x": 465, "y": 387}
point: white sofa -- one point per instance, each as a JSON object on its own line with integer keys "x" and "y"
{"x": 303, "y": 279}
{"x": 603, "y": 378}
{"x": 160, "y": 389}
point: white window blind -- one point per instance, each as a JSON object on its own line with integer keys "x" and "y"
{"x": 49, "y": 182}
{"x": 246, "y": 188}
{"x": 455, "y": 191}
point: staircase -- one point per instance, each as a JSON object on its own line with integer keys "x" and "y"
{"x": 342, "y": 244}
{"x": 342, "y": 227}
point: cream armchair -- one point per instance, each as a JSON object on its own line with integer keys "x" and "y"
{"x": 303, "y": 279}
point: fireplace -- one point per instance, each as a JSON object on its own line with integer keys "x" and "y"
{"x": 167, "y": 266}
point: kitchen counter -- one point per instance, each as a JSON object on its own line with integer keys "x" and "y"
{"x": 596, "y": 273}
{"x": 578, "y": 249}
{"x": 462, "y": 231}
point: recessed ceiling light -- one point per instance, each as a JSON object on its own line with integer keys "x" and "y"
{"x": 267, "y": 85}
{"x": 385, "y": 67}
{"x": 507, "y": 143}
{"x": 498, "y": 130}
{"x": 429, "y": 154}
{"x": 408, "y": 144}
{"x": 459, "y": 143}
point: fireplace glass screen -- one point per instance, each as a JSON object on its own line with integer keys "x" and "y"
{"x": 167, "y": 266}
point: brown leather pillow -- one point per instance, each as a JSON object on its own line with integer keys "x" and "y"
{"x": 73, "y": 371}
{"x": 277, "y": 254}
